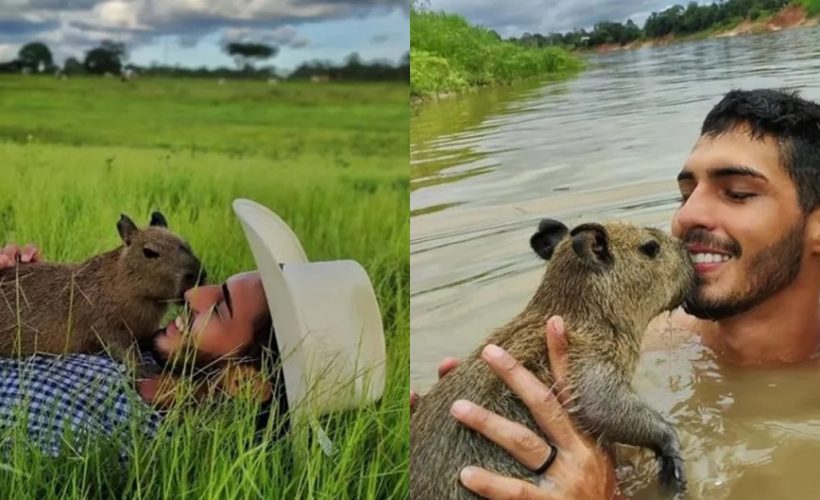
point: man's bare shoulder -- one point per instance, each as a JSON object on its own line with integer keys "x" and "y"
{"x": 669, "y": 330}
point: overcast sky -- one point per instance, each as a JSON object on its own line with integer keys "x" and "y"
{"x": 547, "y": 16}
{"x": 191, "y": 32}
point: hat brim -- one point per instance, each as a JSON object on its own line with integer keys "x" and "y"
{"x": 271, "y": 230}
{"x": 323, "y": 314}
{"x": 267, "y": 233}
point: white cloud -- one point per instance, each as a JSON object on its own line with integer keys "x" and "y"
{"x": 119, "y": 14}
{"x": 74, "y": 26}
{"x": 8, "y": 51}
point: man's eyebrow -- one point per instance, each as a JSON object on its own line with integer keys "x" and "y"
{"x": 733, "y": 171}
{"x": 738, "y": 170}
{"x": 227, "y": 296}
{"x": 686, "y": 175}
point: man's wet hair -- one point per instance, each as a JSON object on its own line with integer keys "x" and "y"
{"x": 793, "y": 121}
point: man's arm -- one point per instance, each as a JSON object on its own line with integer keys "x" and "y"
{"x": 75, "y": 395}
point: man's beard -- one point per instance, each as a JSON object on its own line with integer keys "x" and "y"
{"x": 771, "y": 270}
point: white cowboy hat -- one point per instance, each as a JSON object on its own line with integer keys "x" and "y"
{"x": 326, "y": 319}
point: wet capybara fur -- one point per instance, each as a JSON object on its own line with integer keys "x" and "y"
{"x": 110, "y": 302}
{"x": 607, "y": 282}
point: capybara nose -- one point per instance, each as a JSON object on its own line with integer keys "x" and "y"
{"x": 199, "y": 278}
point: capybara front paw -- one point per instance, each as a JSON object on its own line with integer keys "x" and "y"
{"x": 672, "y": 477}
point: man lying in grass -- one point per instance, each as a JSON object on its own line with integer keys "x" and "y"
{"x": 229, "y": 334}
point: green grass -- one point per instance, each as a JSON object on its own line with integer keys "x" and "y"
{"x": 447, "y": 54}
{"x": 331, "y": 160}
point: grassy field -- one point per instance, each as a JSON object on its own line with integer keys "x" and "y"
{"x": 447, "y": 54}
{"x": 330, "y": 159}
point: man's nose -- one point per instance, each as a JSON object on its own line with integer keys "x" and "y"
{"x": 697, "y": 211}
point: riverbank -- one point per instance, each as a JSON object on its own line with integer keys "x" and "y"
{"x": 803, "y": 13}
{"x": 448, "y": 55}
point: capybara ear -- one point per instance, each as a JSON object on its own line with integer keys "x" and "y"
{"x": 157, "y": 219}
{"x": 591, "y": 243}
{"x": 126, "y": 228}
{"x": 550, "y": 233}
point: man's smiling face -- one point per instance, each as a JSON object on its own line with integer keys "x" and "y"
{"x": 741, "y": 221}
{"x": 220, "y": 321}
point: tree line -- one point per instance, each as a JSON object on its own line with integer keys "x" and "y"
{"x": 675, "y": 20}
{"x": 112, "y": 58}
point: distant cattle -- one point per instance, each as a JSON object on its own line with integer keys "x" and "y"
{"x": 128, "y": 74}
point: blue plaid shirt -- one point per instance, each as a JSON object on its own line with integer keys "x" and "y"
{"x": 74, "y": 395}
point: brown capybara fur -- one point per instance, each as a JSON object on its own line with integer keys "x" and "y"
{"x": 109, "y": 302}
{"x": 607, "y": 282}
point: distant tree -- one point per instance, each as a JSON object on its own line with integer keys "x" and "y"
{"x": 72, "y": 66}
{"x": 632, "y": 31}
{"x": 674, "y": 20}
{"x": 245, "y": 54}
{"x": 353, "y": 60}
{"x": 10, "y": 67}
{"x": 36, "y": 56}
{"x": 692, "y": 19}
{"x": 353, "y": 67}
{"x": 107, "y": 58}
{"x": 116, "y": 48}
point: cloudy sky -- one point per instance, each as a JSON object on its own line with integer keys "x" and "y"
{"x": 546, "y": 16}
{"x": 192, "y": 32}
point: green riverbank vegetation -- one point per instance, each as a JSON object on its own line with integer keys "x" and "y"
{"x": 812, "y": 7}
{"x": 448, "y": 54}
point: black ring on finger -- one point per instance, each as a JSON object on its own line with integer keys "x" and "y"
{"x": 550, "y": 459}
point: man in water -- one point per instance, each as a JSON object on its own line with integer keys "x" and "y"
{"x": 750, "y": 193}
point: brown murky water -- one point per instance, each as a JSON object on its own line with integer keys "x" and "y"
{"x": 606, "y": 145}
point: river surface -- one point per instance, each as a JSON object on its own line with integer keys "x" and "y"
{"x": 606, "y": 145}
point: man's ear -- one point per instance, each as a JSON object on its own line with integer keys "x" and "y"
{"x": 813, "y": 231}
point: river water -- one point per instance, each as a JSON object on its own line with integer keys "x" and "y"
{"x": 606, "y": 145}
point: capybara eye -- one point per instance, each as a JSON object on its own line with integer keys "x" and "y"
{"x": 151, "y": 254}
{"x": 650, "y": 249}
